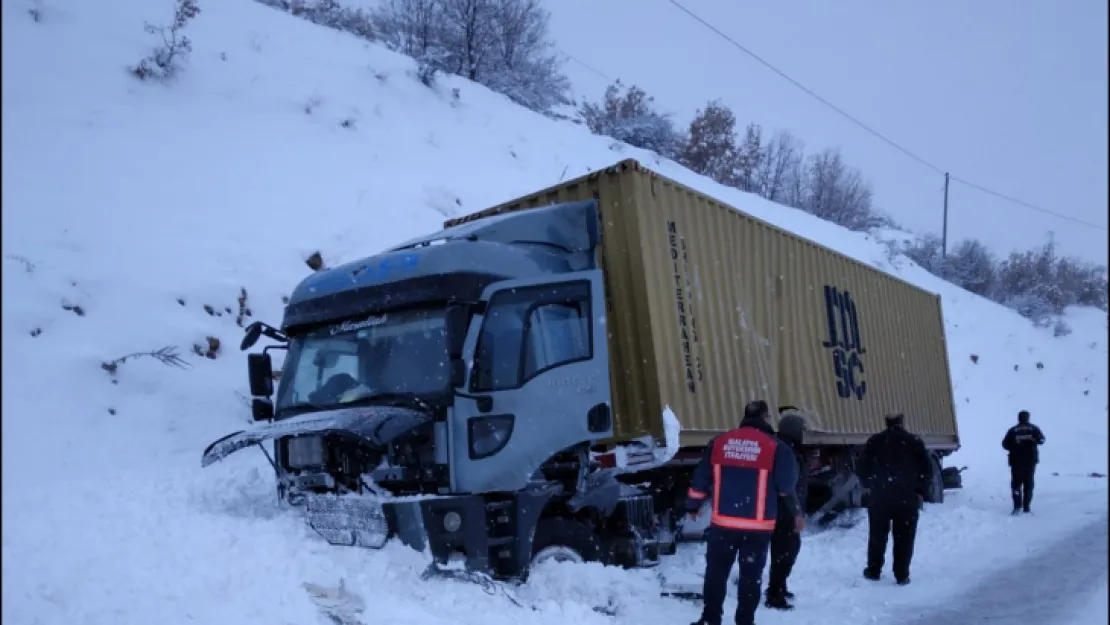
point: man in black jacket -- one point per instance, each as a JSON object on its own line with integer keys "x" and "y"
{"x": 786, "y": 541}
{"x": 1022, "y": 441}
{"x": 896, "y": 468}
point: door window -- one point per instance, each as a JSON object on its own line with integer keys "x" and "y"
{"x": 530, "y": 330}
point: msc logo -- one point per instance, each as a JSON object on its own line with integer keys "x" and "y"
{"x": 844, "y": 343}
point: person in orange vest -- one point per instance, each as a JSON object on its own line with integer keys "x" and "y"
{"x": 745, "y": 472}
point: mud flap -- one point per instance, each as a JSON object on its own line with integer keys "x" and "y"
{"x": 348, "y": 520}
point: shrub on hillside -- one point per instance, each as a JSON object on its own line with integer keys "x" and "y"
{"x": 969, "y": 264}
{"x": 972, "y": 266}
{"x": 1036, "y": 283}
{"x": 502, "y": 44}
{"x": 629, "y": 115}
{"x": 710, "y": 148}
{"x": 164, "y": 62}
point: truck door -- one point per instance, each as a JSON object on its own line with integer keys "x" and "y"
{"x": 541, "y": 355}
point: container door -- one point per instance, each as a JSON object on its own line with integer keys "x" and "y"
{"x": 540, "y": 355}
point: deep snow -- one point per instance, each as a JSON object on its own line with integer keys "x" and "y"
{"x": 141, "y": 204}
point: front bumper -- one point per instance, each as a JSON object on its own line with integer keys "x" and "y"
{"x": 445, "y": 527}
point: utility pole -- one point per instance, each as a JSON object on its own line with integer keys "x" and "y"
{"x": 944, "y": 228}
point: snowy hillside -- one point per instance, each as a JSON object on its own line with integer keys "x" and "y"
{"x": 136, "y": 215}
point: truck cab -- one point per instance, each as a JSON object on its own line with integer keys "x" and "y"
{"x": 448, "y": 392}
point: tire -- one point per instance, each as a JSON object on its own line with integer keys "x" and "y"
{"x": 936, "y": 483}
{"x": 564, "y": 540}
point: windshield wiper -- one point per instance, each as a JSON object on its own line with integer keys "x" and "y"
{"x": 412, "y": 400}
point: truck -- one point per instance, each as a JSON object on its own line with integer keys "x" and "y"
{"x": 539, "y": 379}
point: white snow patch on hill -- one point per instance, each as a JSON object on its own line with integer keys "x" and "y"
{"x": 130, "y": 207}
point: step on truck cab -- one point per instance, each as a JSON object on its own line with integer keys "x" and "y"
{"x": 505, "y": 390}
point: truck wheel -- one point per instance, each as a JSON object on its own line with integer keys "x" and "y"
{"x": 564, "y": 540}
{"x": 936, "y": 483}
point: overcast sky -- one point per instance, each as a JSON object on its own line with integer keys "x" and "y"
{"x": 1009, "y": 94}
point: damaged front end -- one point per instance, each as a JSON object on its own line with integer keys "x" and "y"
{"x": 349, "y": 469}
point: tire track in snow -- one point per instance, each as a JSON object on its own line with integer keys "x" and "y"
{"x": 1040, "y": 589}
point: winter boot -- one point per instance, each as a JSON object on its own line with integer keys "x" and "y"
{"x": 778, "y": 602}
{"x": 872, "y": 574}
{"x": 786, "y": 593}
{"x": 905, "y": 581}
{"x": 1016, "y": 512}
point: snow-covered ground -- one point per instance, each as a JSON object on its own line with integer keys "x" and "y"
{"x": 130, "y": 207}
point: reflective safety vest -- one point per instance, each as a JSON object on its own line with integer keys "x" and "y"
{"x": 740, "y": 464}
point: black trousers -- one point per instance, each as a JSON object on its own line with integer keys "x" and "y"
{"x": 897, "y": 517}
{"x": 786, "y": 543}
{"x": 1021, "y": 486}
{"x": 723, "y": 548}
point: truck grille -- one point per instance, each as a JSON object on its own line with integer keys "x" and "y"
{"x": 639, "y": 511}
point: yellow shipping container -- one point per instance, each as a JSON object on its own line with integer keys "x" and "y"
{"x": 709, "y": 308}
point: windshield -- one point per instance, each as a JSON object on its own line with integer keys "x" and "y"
{"x": 402, "y": 352}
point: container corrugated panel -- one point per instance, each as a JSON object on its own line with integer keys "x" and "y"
{"x": 710, "y": 308}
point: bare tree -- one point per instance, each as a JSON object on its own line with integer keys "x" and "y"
{"x": 751, "y": 153}
{"x": 779, "y": 165}
{"x": 838, "y": 193}
{"x": 503, "y": 44}
{"x": 467, "y": 34}
{"x": 408, "y": 26}
{"x": 523, "y": 64}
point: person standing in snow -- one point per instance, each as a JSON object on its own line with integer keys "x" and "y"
{"x": 786, "y": 540}
{"x": 896, "y": 468}
{"x": 1022, "y": 442}
{"x": 745, "y": 470}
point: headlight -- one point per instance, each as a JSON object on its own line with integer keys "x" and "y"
{"x": 488, "y": 435}
{"x": 305, "y": 451}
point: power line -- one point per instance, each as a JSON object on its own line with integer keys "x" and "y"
{"x": 587, "y": 66}
{"x": 1025, "y": 204}
{"x": 872, "y": 131}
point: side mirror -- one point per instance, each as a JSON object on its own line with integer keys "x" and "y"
{"x": 250, "y": 336}
{"x": 261, "y": 372}
{"x": 262, "y": 409}
{"x": 257, "y": 329}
